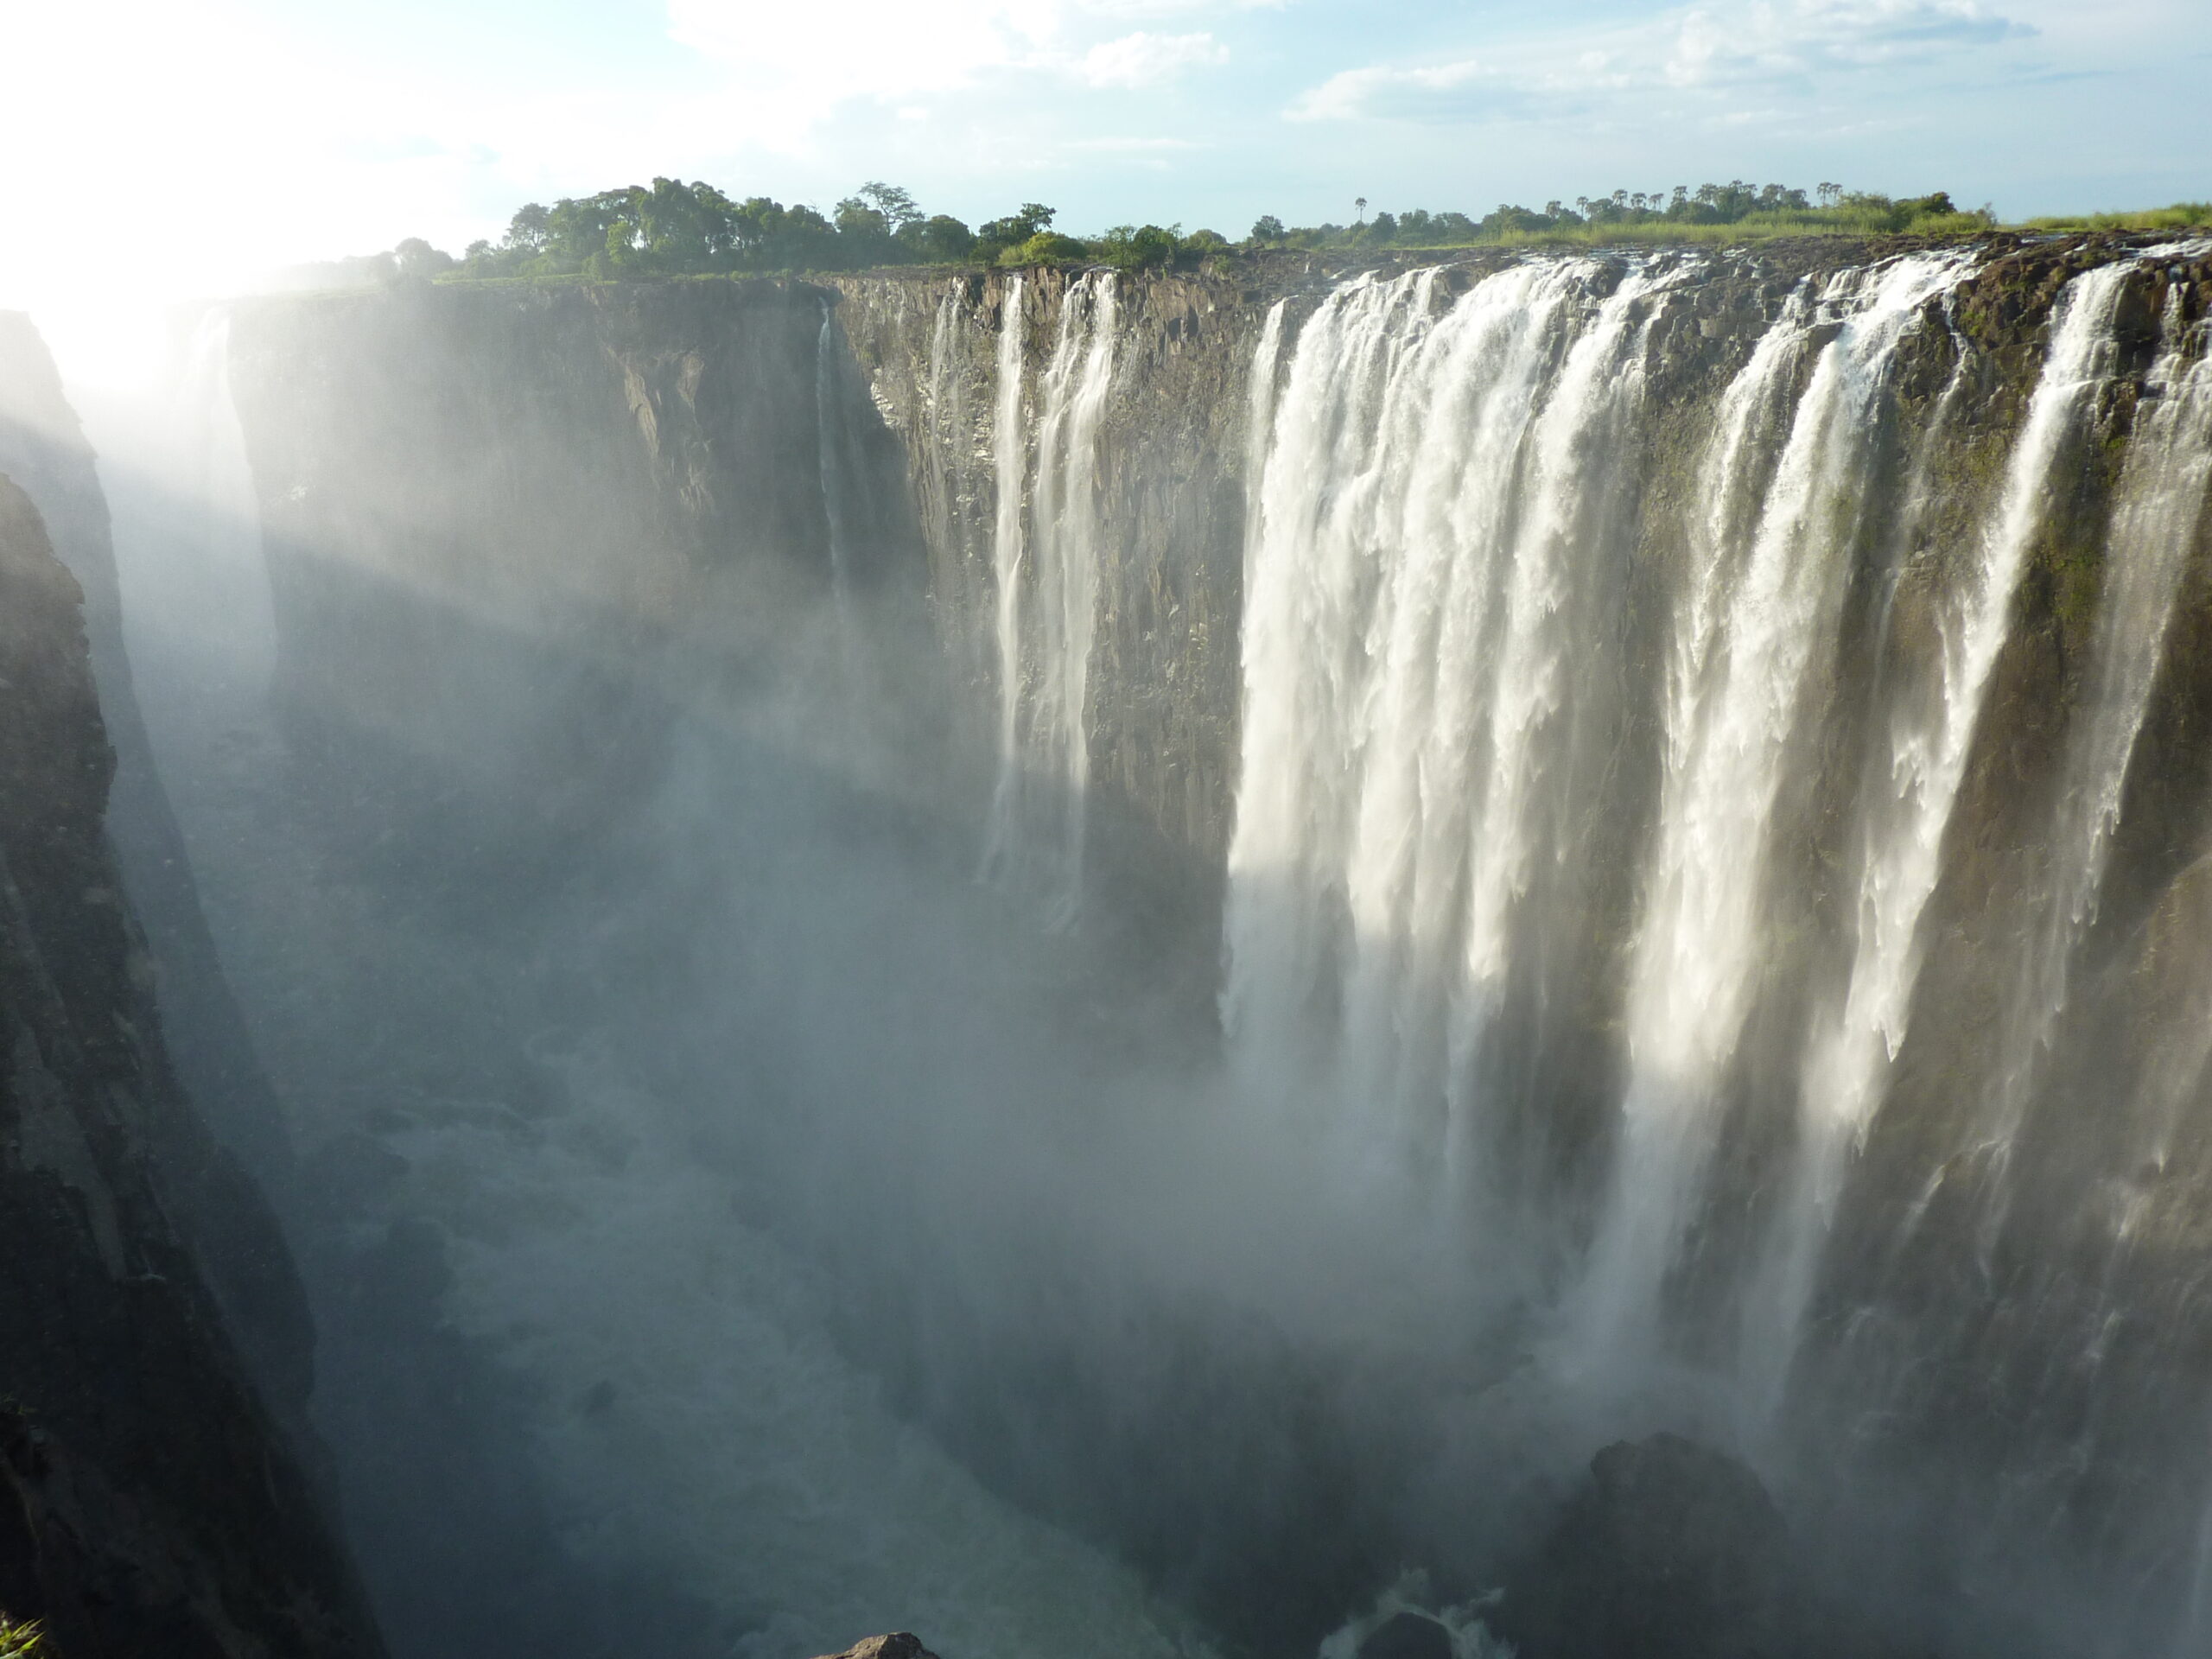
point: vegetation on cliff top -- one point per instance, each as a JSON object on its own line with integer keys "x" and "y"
{"x": 675, "y": 229}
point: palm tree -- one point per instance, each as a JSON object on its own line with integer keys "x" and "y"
{"x": 1360, "y": 202}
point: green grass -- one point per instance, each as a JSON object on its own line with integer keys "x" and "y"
{"x": 21, "y": 1641}
{"x": 2182, "y": 216}
{"x": 1754, "y": 228}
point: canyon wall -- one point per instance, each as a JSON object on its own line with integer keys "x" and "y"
{"x": 1764, "y": 932}
{"x": 150, "y": 1502}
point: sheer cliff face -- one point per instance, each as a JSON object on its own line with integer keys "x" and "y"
{"x": 42, "y": 448}
{"x": 147, "y": 1502}
{"x": 1168, "y": 510}
{"x": 579, "y": 492}
{"x": 1676, "y": 733}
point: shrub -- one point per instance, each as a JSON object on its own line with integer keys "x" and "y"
{"x": 1045, "y": 248}
{"x": 1132, "y": 247}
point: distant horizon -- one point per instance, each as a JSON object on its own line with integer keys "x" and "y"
{"x": 159, "y": 150}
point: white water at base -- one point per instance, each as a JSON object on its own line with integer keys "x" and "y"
{"x": 1744, "y": 657}
{"x": 1039, "y": 813}
{"x": 702, "y": 1424}
{"x": 1461, "y": 1624}
{"x": 1848, "y": 1058}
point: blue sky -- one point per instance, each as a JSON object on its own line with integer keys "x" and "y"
{"x": 188, "y": 143}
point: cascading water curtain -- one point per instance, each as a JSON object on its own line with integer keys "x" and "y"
{"x": 1045, "y": 564}
{"x": 1450, "y": 496}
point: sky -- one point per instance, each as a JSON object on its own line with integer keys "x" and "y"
{"x": 183, "y": 147}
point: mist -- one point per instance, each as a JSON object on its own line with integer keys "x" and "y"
{"x": 1113, "y": 962}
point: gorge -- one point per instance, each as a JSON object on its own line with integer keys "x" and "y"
{"x": 1112, "y": 961}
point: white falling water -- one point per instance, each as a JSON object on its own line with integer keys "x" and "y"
{"x": 1848, "y": 1061}
{"x": 832, "y": 468}
{"x": 1040, "y": 809}
{"x": 943, "y": 414}
{"x": 1426, "y": 493}
{"x": 1573, "y": 500}
{"x": 2162, "y": 498}
{"x": 1010, "y": 458}
{"x": 1259, "y": 416}
{"x": 1395, "y": 439}
{"x": 1746, "y": 651}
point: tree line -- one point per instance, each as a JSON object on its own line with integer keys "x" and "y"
{"x": 1737, "y": 204}
{"x": 671, "y": 228}
{"x": 674, "y": 229}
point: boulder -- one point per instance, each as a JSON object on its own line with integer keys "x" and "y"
{"x": 900, "y": 1644}
{"x": 1669, "y": 1550}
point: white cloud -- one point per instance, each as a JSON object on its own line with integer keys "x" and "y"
{"x": 879, "y": 48}
{"x": 1132, "y": 146}
{"x": 1143, "y": 60}
{"x": 1424, "y": 91}
{"x": 1758, "y": 41}
{"x": 1715, "y": 48}
{"x": 905, "y": 48}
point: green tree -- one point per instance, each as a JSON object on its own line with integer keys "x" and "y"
{"x": 1132, "y": 247}
{"x": 997, "y": 235}
{"x": 1267, "y": 228}
{"x": 530, "y": 229}
{"x": 1045, "y": 248}
{"x": 897, "y": 207}
{"x": 416, "y": 257}
{"x": 939, "y": 240}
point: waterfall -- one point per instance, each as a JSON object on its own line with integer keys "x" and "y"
{"x": 1438, "y": 488}
{"x": 1745, "y": 651}
{"x": 2161, "y": 497}
{"x": 830, "y": 465}
{"x": 943, "y": 414}
{"x": 1259, "y": 416}
{"x": 1571, "y": 515}
{"x": 1848, "y": 1056}
{"x": 1434, "y": 495}
{"x": 1010, "y": 455}
{"x": 1387, "y": 489}
{"x": 1039, "y": 809}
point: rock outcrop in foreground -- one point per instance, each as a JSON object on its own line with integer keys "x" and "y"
{"x": 900, "y": 1644}
{"x": 148, "y": 1503}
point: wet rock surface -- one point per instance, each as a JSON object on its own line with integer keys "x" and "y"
{"x": 1669, "y": 1550}
{"x": 1943, "y": 1324}
{"x": 148, "y": 1501}
{"x": 900, "y": 1644}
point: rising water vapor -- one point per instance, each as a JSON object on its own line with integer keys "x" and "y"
{"x": 1572, "y": 767}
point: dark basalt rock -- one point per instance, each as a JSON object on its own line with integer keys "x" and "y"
{"x": 148, "y": 1505}
{"x": 900, "y": 1644}
{"x": 1670, "y": 1551}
